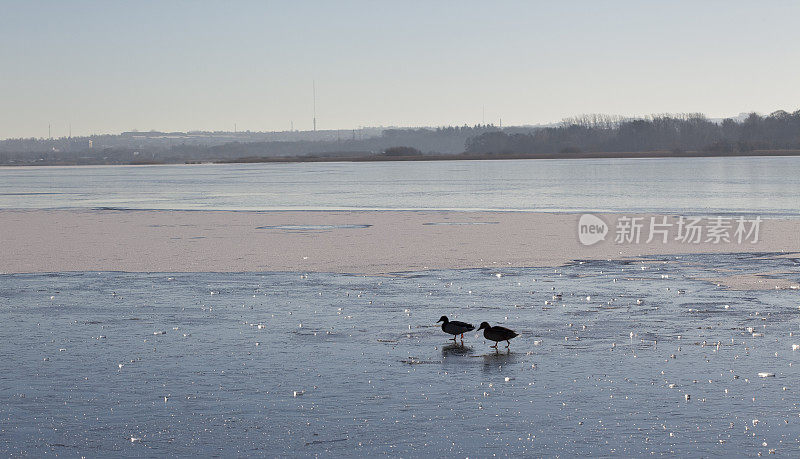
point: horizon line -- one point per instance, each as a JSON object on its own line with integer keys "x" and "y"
{"x": 239, "y": 132}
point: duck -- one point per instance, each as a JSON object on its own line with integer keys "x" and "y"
{"x": 455, "y": 327}
{"x": 497, "y": 334}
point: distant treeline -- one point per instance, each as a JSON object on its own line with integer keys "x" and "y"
{"x": 670, "y": 133}
{"x": 445, "y": 140}
{"x": 579, "y": 137}
{"x": 156, "y": 147}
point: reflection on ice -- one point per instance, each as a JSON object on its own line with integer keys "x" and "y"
{"x": 456, "y": 350}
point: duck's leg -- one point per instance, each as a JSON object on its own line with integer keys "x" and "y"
{"x": 508, "y": 343}
{"x": 462, "y": 337}
{"x": 495, "y": 346}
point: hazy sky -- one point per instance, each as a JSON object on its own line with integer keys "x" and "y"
{"x": 111, "y": 66}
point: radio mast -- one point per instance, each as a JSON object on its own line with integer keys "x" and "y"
{"x": 314, "y": 92}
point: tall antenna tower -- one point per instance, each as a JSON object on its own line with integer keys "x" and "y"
{"x": 314, "y": 92}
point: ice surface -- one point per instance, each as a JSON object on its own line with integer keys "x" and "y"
{"x": 364, "y": 376}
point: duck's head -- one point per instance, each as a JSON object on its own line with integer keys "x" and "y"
{"x": 443, "y": 319}
{"x": 484, "y": 325}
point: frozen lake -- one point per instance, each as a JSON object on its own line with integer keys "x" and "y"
{"x": 99, "y": 364}
{"x": 768, "y": 186}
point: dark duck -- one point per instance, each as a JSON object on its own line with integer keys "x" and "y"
{"x": 497, "y": 334}
{"x": 454, "y": 327}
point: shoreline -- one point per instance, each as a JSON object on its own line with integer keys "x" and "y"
{"x": 654, "y": 154}
{"x": 351, "y": 242}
